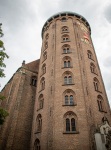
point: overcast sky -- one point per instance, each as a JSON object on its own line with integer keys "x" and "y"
{"x": 23, "y": 21}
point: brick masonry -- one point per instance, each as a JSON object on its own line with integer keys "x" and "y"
{"x": 20, "y": 130}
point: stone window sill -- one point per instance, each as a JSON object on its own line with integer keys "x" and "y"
{"x": 67, "y": 53}
{"x": 103, "y": 111}
{"x": 39, "y": 109}
{"x": 42, "y": 74}
{"x": 68, "y": 84}
{"x": 98, "y": 91}
{"x": 41, "y": 90}
{"x": 69, "y": 105}
{"x": 64, "y": 32}
{"x": 66, "y": 67}
{"x": 94, "y": 73}
{"x": 71, "y": 132}
{"x": 65, "y": 41}
{"x": 44, "y": 60}
{"x": 37, "y": 132}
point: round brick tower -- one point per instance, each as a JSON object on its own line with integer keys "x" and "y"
{"x": 71, "y": 102}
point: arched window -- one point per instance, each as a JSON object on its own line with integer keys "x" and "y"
{"x": 43, "y": 68}
{"x": 90, "y": 55}
{"x": 46, "y": 45}
{"x": 66, "y": 49}
{"x": 104, "y": 119}
{"x": 64, "y": 19}
{"x": 41, "y": 101}
{"x": 100, "y": 102}
{"x": 93, "y": 68}
{"x": 65, "y": 38}
{"x": 45, "y": 55}
{"x": 70, "y": 122}
{"x": 47, "y": 36}
{"x": 68, "y": 79}
{"x": 42, "y": 83}
{"x": 67, "y": 62}
{"x": 37, "y": 144}
{"x": 64, "y": 29}
{"x": 39, "y": 123}
{"x": 96, "y": 84}
{"x": 69, "y": 98}
{"x": 33, "y": 80}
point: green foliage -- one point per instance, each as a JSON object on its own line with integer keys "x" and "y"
{"x": 3, "y": 115}
{"x": 2, "y": 97}
{"x": 3, "y": 55}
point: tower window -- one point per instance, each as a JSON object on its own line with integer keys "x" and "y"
{"x": 100, "y": 102}
{"x": 42, "y": 83}
{"x": 46, "y": 45}
{"x": 41, "y": 101}
{"x": 64, "y": 19}
{"x": 67, "y": 62}
{"x": 69, "y": 98}
{"x": 43, "y": 68}
{"x": 33, "y": 80}
{"x": 68, "y": 78}
{"x": 64, "y": 29}
{"x": 93, "y": 68}
{"x": 47, "y": 36}
{"x": 37, "y": 144}
{"x": 96, "y": 84}
{"x": 70, "y": 122}
{"x": 65, "y": 38}
{"x": 39, "y": 123}
{"x": 45, "y": 55}
{"x": 90, "y": 55}
{"x": 66, "y": 49}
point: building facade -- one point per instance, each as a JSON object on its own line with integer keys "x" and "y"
{"x": 15, "y": 134}
{"x": 69, "y": 109}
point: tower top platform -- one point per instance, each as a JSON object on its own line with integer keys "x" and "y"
{"x": 66, "y": 13}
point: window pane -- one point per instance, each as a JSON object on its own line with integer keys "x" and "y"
{"x": 64, "y": 50}
{"x": 70, "y": 80}
{"x": 67, "y": 124}
{"x": 65, "y": 80}
{"x": 68, "y": 63}
{"x": 71, "y": 100}
{"x": 65, "y": 64}
{"x": 66, "y": 100}
{"x": 73, "y": 124}
{"x": 96, "y": 86}
{"x": 100, "y": 104}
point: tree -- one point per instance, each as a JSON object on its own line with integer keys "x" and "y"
{"x": 3, "y": 55}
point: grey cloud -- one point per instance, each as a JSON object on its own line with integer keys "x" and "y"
{"x": 107, "y": 13}
{"x": 107, "y": 62}
{"x": 106, "y": 78}
{"x": 15, "y": 13}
